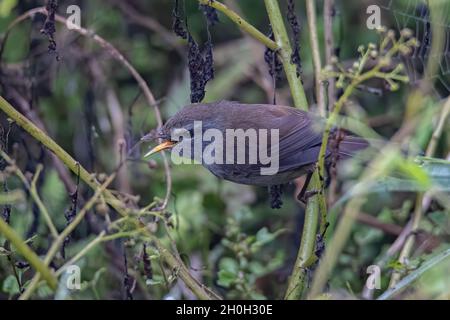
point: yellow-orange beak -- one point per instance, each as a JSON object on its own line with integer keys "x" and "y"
{"x": 162, "y": 146}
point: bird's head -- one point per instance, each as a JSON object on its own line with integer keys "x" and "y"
{"x": 182, "y": 124}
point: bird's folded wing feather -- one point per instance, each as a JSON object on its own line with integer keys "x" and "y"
{"x": 300, "y": 137}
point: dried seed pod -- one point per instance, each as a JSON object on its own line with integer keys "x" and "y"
{"x": 177, "y": 24}
{"x": 275, "y": 193}
{"x": 295, "y": 26}
{"x": 210, "y": 14}
{"x": 49, "y": 28}
{"x": 148, "y": 270}
{"x": 196, "y": 63}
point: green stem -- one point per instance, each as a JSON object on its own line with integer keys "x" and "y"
{"x": 285, "y": 53}
{"x": 380, "y": 166}
{"x": 298, "y": 279}
{"x": 80, "y": 254}
{"x": 33, "y": 191}
{"x": 198, "y": 289}
{"x": 314, "y": 41}
{"x": 336, "y": 110}
{"x": 244, "y": 25}
{"x": 305, "y": 258}
{"x": 67, "y": 231}
{"x": 28, "y": 254}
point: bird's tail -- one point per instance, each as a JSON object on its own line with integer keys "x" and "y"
{"x": 347, "y": 146}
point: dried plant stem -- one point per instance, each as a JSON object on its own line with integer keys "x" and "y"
{"x": 285, "y": 53}
{"x": 56, "y": 245}
{"x": 198, "y": 289}
{"x": 122, "y": 60}
{"x": 314, "y": 41}
{"x": 33, "y": 192}
{"x": 244, "y": 25}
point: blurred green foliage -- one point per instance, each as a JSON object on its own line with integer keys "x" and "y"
{"x": 227, "y": 233}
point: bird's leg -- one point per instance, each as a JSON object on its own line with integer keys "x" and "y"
{"x": 275, "y": 193}
{"x": 303, "y": 195}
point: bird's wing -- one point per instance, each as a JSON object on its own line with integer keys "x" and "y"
{"x": 300, "y": 139}
{"x": 300, "y": 135}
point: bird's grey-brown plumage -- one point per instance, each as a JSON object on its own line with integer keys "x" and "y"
{"x": 300, "y": 137}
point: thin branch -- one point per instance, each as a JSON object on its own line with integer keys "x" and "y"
{"x": 285, "y": 53}
{"x": 244, "y": 25}
{"x": 199, "y": 290}
{"x": 33, "y": 191}
{"x": 305, "y": 258}
{"x": 314, "y": 41}
{"x": 415, "y": 275}
{"x": 67, "y": 231}
{"x": 328, "y": 12}
{"x": 147, "y": 22}
{"x": 28, "y": 254}
{"x": 120, "y": 58}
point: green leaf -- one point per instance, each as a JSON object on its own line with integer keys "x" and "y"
{"x": 437, "y": 176}
{"x": 4, "y": 252}
{"x": 226, "y": 278}
{"x": 264, "y": 236}
{"x": 44, "y": 291}
{"x": 10, "y": 285}
{"x": 229, "y": 265}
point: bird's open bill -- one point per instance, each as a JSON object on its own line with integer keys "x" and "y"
{"x": 162, "y": 146}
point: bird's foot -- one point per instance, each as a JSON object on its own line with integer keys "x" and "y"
{"x": 275, "y": 193}
{"x": 306, "y": 195}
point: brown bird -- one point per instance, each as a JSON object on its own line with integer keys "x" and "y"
{"x": 295, "y": 151}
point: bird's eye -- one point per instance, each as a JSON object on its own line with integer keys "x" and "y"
{"x": 163, "y": 135}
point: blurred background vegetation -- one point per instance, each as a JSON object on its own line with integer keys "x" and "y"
{"x": 225, "y": 233}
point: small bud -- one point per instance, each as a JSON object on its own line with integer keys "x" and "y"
{"x": 394, "y": 87}
{"x": 406, "y": 33}
{"x": 405, "y": 50}
{"x": 102, "y": 208}
{"x": 152, "y": 164}
{"x": 334, "y": 60}
{"x": 391, "y": 34}
{"x": 374, "y": 54}
{"x": 385, "y": 62}
{"x": 102, "y": 177}
{"x": 130, "y": 243}
{"x": 10, "y": 170}
{"x": 340, "y": 82}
